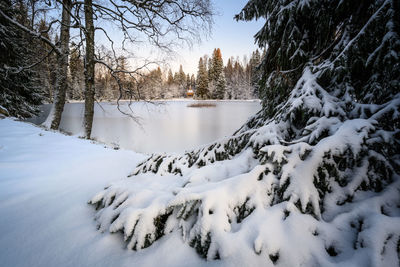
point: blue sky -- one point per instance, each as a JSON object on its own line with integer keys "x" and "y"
{"x": 233, "y": 38}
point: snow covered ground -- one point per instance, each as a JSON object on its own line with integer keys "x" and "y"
{"x": 46, "y": 179}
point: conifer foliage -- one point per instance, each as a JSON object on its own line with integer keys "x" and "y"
{"x": 20, "y": 93}
{"x": 202, "y": 80}
{"x": 237, "y": 80}
{"x": 313, "y": 178}
{"x": 216, "y": 75}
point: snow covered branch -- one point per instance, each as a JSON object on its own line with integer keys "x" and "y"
{"x": 31, "y": 32}
{"x": 314, "y": 178}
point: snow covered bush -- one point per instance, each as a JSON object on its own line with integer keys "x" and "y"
{"x": 313, "y": 178}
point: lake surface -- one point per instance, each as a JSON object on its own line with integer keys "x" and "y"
{"x": 166, "y": 126}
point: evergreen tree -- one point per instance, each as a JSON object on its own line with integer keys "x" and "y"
{"x": 47, "y": 68}
{"x": 188, "y": 82}
{"x": 170, "y": 79}
{"x": 255, "y": 71}
{"x": 182, "y": 75}
{"x": 193, "y": 82}
{"x": 153, "y": 84}
{"x": 20, "y": 92}
{"x": 216, "y": 66}
{"x": 182, "y": 81}
{"x": 76, "y": 70}
{"x": 171, "y": 86}
{"x": 177, "y": 78}
{"x": 202, "y": 80}
{"x": 320, "y": 32}
{"x": 228, "y": 70}
{"x": 208, "y": 62}
{"x": 320, "y": 160}
{"x": 216, "y": 75}
{"x": 220, "y": 86}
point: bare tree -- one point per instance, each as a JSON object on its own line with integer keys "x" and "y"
{"x": 164, "y": 23}
{"x": 89, "y": 68}
{"x": 54, "y": 119}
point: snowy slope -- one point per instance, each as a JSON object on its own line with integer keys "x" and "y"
{"x": 46, "y": 180}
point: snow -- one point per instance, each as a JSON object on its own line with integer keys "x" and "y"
{"x": 263, "y": 205}
{"x": 325, "y": 197}
{"x": 50, "y": 117}
{"x": 46, "y": 179}
{"x": 299, "y": 239}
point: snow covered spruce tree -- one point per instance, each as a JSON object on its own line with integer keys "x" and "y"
{"x": 20, "y": 92}
{"x": 313, "y": 178}
{"x": 202, "y": 91}
{"x": 216, "y": 75}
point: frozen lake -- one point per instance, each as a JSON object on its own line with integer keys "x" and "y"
{"x": 166, "y": 126}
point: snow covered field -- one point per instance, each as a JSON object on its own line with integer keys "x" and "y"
{"x": 46, "y": 180}
{"x": 310, "y": 180}
{"x": 46, "y": 221}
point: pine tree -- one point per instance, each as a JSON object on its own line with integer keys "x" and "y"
{"x": 218, "y": 64}
{"x": 153, "y": 84}
{"x": 76, "y": 70}
{"x": 193, "y": 82}
{"x": 216, "y": 75}
{"x": 188, "y": 82}
{"x": 295, "y": 42}
{"x": 255, "y": 71}
{"x": 171, "y": 86}
{"x": 209, "y": 66}
{"x": 182, "y": 82}
{"x": 176, "y": 78}
{"x": 228, "y": 70}
{"x": 202, "y": 80}
{"x": 319, "y": 163}
{"x": 47, "y": 68}
{"x": 20, "y": 92}
{"x": 170, "y": 79}
{"x": 220, "y": 86}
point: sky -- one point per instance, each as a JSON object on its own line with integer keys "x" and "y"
{"x": 232, "y": 37}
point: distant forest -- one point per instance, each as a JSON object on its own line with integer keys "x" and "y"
{"x": 214, "y": 80}
{"x": 44, "y": 59}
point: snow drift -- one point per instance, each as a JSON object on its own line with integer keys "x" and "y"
{"x": 313, "y": 178}
{"x": 330, "y": 196}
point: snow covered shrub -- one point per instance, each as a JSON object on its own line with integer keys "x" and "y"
{"x": 312, "y": 179}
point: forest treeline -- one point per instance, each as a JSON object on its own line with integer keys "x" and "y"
{"x": 50, "y": 55}
{"x": 49, "y": 52}
{"x": 238, "y": 79}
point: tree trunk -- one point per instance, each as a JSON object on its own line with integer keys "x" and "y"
{"x": 54, "y": 118}
{"x": 89, "y": 68}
